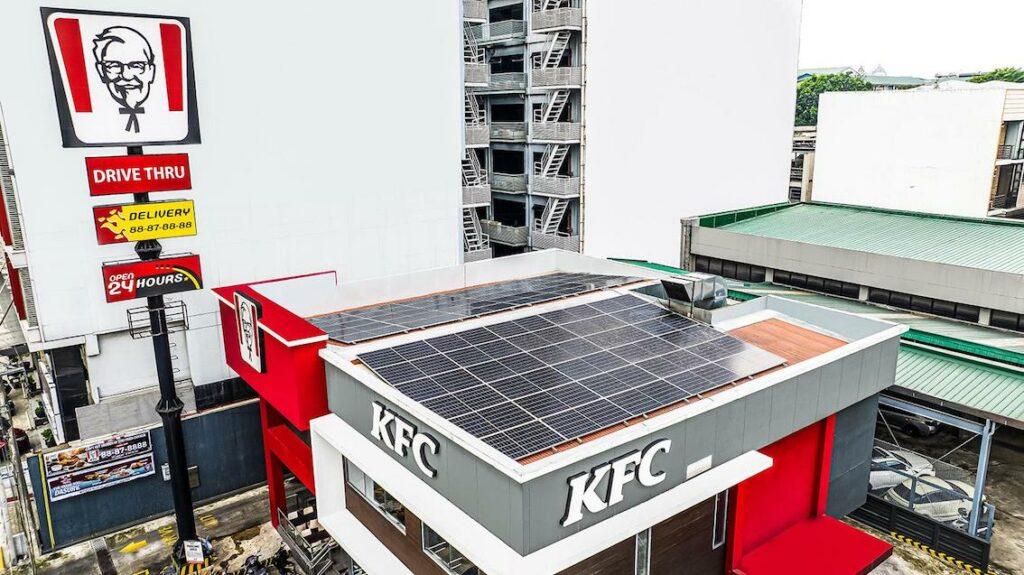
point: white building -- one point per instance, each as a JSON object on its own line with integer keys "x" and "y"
{"x": 953, "y": 149}
{"x": 298, "y": 153}
{"x": 689, "y": 110}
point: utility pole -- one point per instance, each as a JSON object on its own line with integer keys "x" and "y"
{"x": 169, "y": 406}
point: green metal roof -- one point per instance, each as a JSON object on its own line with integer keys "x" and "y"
{"x": 976, "y": 387}
{"x": 981, "y": 243}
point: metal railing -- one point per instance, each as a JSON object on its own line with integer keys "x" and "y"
{"x": 1004, "y": 202}
{"x": 478, "y": 255}
{"x": 557, "y": 131}
{"x": 509, "y": 131}
{"x": 476, "y": 195}
{"x": 477, "y": 135}
{"x": 804, "y": 145}
{"x": 561, "y": 186}
{"x": 796, "y": 173}
{"x": 1007, "y": 152}
{"x": 509, "y": 183}
{"x": 311, "y": 553}
{"x": 498, "y": 31}
{"x": 507, "y": 235}
{"x": 506, "y": 81}
{"x": 559, "y": 240}
{"x": 556, "y": 77}
{"x": 474, "y": 10}
{"x": 559, "y": 18}
{"x": 478, "y": 74}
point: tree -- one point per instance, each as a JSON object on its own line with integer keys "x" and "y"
{"x": 808, "y": 91}
{"x": 1001, "y": 74}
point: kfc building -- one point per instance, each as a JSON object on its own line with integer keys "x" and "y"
{"x": 556, "y": 413}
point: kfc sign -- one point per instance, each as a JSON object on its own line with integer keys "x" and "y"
{"x": 250, "y": 338}
{"x": 636, "y": 466}
{"x": 400, "y": 436}
{"x": 121, "y": 79}
{"x": 137, "y": 279}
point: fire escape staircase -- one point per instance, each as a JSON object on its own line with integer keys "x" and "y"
{"x": 552, "y": 216}
{"x": 473, "y": 112}
{"x": 559, "y": 43}
{"x": 472, "y": 173}
{"x": 473, "y": 238}
{"x": 472, "y": 53}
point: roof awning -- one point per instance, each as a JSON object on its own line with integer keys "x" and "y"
{"x": 980, "y": 388}
{"x": 819, "y": 545}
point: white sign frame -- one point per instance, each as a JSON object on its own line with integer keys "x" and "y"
{"x": 121, "y": 79}
{"x": 251, "y": 346}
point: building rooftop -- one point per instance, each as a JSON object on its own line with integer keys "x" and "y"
{"x": 979, "y": 243}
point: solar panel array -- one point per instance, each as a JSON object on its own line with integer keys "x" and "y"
{"x": 527, "y": 385}
{"x": 392, "y": 318}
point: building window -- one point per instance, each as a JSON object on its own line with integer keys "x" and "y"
{"x": 732, "y": 270}
{"x": 375, "y": 495}
{"x": 721, "y": 519}
{"x": 1006, "y": 320}
{"x": 643, "y": 553}
{"x": 960, "y": 311}
{"x": 448, "y": 557}
{"x": 818, "y": 284}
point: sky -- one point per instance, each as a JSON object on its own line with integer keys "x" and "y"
{"x": 913, "y": 37}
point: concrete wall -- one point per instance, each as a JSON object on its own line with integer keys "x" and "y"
{"x": 989, "y": 289}
{"x": 527, "y": 516}
{"x": 931, "y": 151}
{"x": 226, "y": 445}
{"x": 689, "y": 110}
{"x": 298, "y": 170}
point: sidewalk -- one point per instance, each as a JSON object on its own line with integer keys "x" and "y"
{"x": 237, "y": 526}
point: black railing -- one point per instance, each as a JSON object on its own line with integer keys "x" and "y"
{"x": 1009, "y": 152}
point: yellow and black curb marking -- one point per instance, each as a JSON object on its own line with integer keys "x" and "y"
{"x": 194, "y": 568}
{"x": 941, "y": 556}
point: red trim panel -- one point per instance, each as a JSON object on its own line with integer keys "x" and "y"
{"x": 69, "y": 37}
{"x": 16, "y": 290}
{"x": 293, "y": 454}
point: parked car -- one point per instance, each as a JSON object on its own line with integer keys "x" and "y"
{"x": 913, "y": 425}
{"x": 890, "y": 467}
{"x": 944, "y": 500}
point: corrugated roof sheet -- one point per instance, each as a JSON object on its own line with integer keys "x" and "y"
{"x": 975, "y": 243}
{"x": 985, "y": 390}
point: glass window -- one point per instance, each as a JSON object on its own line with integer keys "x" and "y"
{"x": 374, "y": 494}
{"x": 721, "y": 519}
{"x": 448, "y": 557}
{"x": 643, "y": 553}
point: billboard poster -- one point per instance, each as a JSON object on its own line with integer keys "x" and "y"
{"x": 99, "y": 453}
{"x": 250, "y": 338}
{"x": 140, "y": 174}
{"x": 100, "y": 477}
{"x": 123, "y": 223}
{"x": 123, "y": 281}
{"x": 98, "y": 465}
{"x": 121, "y": 79}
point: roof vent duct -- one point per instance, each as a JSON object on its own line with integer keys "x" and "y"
{"x": 695, "y": 291}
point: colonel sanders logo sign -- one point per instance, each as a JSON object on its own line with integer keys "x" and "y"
{"x": 121, "y": 79}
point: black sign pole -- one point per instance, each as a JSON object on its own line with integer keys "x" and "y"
{"x": 170, "y": 406}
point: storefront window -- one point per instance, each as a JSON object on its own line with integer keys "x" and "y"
{"x": 447, "y": 556}
{"x": 383, "y": 501}
{"x": 643, "y": 553}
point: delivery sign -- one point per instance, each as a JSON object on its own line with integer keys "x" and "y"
{"x": 137, "y": 279}
{"x": 144, "y": 221}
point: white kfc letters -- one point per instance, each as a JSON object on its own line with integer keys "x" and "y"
{"x": 401, "y": 436}
{"x": 635, "y": 465}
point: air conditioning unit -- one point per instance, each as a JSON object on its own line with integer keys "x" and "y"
{"x": 695, "y": 293}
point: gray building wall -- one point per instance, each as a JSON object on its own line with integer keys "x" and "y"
{"x": 983, "y": 288}
{"x": 851, "y": 457}
{"x": 527, "y": 517}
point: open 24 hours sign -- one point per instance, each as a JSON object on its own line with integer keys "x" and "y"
{"x": 123, "y": 281}
{"x": 123, "y": 223}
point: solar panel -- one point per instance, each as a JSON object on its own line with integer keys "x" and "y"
{"x": 354, "y": 326}
{"x": 528, "y": 385}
